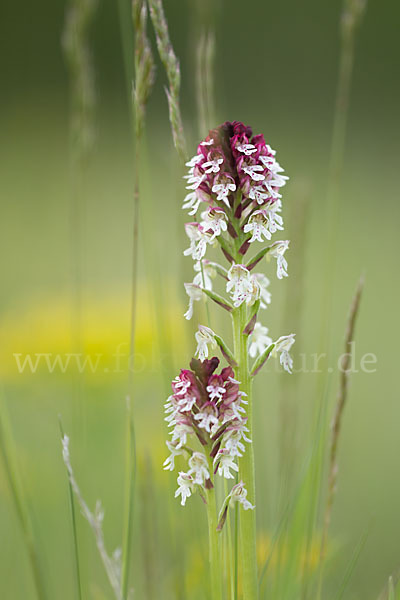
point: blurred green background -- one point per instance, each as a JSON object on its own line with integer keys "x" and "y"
{"x": 276, "y": 69}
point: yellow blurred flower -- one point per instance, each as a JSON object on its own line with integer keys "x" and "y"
{"x": 34, "y": 335}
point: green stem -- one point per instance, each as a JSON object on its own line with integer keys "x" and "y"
{"x": 236, "y": 551}
{"x": 230, "y": 549}
{"x": 246, "y": 463}
{"x": 130, "y": 480}
{"x": 214, "y": 549}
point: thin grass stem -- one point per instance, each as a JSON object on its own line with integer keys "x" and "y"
{"x": 9, "y": 456}
{"x": 172, "y": 68}
{"x": 351, "y": 17}
{"x": 352, "y": 565}
{"x": 111, "y": 563}
{"x": 74, "y": 529}
{"x": 337, "y": 422}
{"x": 316, "y": 480}
{"x": 144, "y": 77}
{"x": 130, "y": 480}
{"x": 77, "y": 52}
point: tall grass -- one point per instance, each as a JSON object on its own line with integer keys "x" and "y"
{"x": 77, "y": 52}
{"x": 143, "y": 82}
{"x": 172, "y": 68}
{"x": 350, "y": 21}
{"x": 19, "y": 499}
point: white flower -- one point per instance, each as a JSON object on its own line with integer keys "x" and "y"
{"x": 207, "y": 142}
{"x": 225, "y": 462}
{"x": 182, "y": 385}
{"x": 258, "y": 226}
{"x": 279, "y": 180}
{"x": 215, "y": 219}
{"x": 275, "y": 180}
{"x": 239, "y": 494}
{"x": 180, "y": 433}
{"x": 232, "y": 442}
{"x": 186, "y": 485}
{"x": 277, "y": 251}
{"x": 264, "y": 222}
{"x": 212, "y": 165}
{"x": 265, "y": 294}
{"x": 274, "y": 168}
{"x": 195, "y": 294}
{"x": 243, "y": 287}
{"x": 223, "y": 185}
{"x": 204, "y": 338}
{"x": 205, "y": 273}
{"x": 199, "y": 468}
{"x": 275, "y": 220}
{"x": 282, "y": 346}
{"x": 257, "y": 193}
{"x": 267, "y": 161}
{"x": 215, "y": 392}
{"x": 207, "y": 417}
{"x": 194, "y": 180}
{"x": 254, "y": 171}
{"x": 186, "y": 403}
{"x": 170, "y": 410}
{"x": 246, "y": 149}
{"x": 270, "y": 150}
{"x": 194, "y": 161}
{"x": 270, "y": 185}
{"x": 191, "y": 201}
{"x": 169, "y": 463}
{"x": 199, "y": 238}
{"x": 259, "y": 340}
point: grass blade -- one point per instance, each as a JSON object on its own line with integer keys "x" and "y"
{"x": 74, "y": 528}
{"x": 8, "y": 453}
{"x": 144, "y": 78}
{"x": 392, "y": 593}
{"x": 130, "y": 480}
{"x": 352, "y": 565}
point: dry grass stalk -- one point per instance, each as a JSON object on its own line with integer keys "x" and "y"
{"x": 351, "y": 17}
{"x": 112, "y": 564}
{"x": 171, "y": 65}
{"x": 144, "y": 65}
{"x": 205, "y": 56}
{"x": 75, "y": 44}
{"x": 339, "y": 409}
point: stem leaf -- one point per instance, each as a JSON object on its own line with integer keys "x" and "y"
{"x": 258, "y": 364}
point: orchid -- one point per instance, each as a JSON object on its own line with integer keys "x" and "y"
{"x": 234, "y": 192}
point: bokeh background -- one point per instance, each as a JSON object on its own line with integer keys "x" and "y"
{"x": 276, "y": 68}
